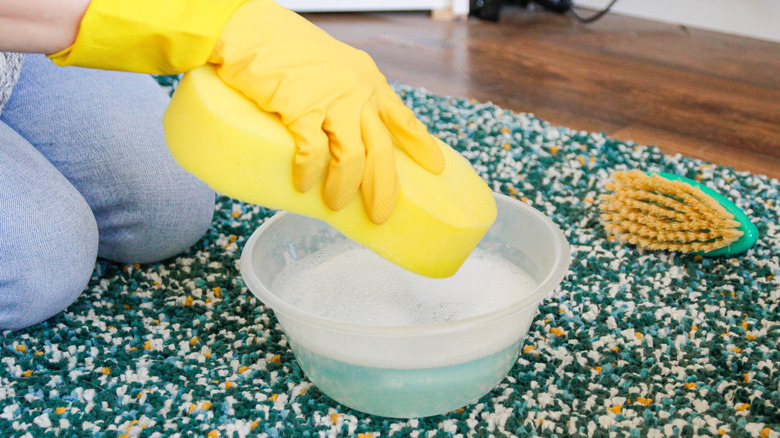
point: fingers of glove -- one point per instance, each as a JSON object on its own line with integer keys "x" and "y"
{"x": 380, "y": 188}
{"x": 348, "y": 155}
{"x": 311, "y": 150}
{"x": 412, "y": 136}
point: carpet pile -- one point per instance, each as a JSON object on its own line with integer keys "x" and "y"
{"x": 631, "y": 344}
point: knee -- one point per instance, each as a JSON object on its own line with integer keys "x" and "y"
{"x": 164, "y": 218}
{"x": 46, "y": 264}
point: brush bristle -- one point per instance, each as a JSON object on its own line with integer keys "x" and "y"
{"x": 660, "y": 214}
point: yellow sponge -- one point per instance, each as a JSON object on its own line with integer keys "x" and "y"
{"x": 222, "y": 137}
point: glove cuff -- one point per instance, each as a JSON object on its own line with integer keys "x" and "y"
{"x": 148, "y": 36}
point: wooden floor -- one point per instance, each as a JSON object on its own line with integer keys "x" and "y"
{"x": 702, "y": 94}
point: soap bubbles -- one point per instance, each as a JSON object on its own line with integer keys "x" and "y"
{"x": 347, "y": 282}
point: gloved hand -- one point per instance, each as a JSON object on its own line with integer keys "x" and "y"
{"x": 345, "y": 118}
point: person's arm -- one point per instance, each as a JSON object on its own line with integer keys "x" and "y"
{"x": 345, "y": 118}
{"x": 39, "y": 26}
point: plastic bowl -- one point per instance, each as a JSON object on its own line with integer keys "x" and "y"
{"x": 409, "y": 371}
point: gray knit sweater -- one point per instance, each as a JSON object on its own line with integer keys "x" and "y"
{"x": 10, "y": 66}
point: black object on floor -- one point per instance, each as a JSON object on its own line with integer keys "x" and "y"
{"x": 490, "y": 10}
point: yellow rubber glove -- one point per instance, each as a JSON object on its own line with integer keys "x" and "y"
{"x": 147, "y": 36}
{"x": 344, "y": 117}
{"x": 333, "y": 99}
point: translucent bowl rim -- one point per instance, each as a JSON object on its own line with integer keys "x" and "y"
{"x": 543, "y": 289}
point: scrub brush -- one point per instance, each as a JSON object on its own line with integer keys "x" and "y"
{"x": 662, "y": 211}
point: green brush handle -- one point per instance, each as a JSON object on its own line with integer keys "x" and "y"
{"x": 750, "y": 231}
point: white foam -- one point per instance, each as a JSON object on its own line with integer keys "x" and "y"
{"x": 348, "y": 282}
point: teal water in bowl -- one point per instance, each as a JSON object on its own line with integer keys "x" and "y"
{"x": 406, "y": 393}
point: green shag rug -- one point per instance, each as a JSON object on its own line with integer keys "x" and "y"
{"x": 631, "y": 344}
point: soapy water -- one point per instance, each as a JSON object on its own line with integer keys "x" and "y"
{"x": 347, "y": 282}
{"x": 407, "y": 393}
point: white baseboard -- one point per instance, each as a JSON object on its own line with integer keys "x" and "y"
{"x": 457, "y": 7}
{"x": 751, "y": 18}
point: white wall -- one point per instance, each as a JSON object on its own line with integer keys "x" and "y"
{"x": 752, "y": 18}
